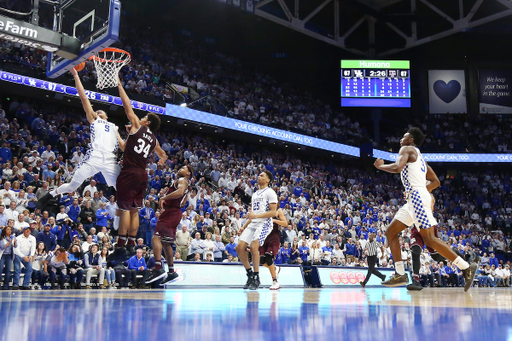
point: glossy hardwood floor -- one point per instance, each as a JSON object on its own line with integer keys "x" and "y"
{"x": 234, "y": 314}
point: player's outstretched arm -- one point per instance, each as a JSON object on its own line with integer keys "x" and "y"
{"x": 282, "y": 219}
{"x": 89, "y": 111}
{"x": 122, "y": 143}
{"x": 161, "y": 154}
{"x": 127, "y": 105}
{"x": 402, "y": 159}
{"x": 434, "y": 180}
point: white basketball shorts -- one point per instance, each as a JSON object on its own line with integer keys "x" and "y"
{"x": 417, "y": 210}
{"x": 257, "y": 231}
{"x": 95, "y": 162}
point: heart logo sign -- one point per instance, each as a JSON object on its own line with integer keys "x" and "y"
{"x": 447, "y": 92}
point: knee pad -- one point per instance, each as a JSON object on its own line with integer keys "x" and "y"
{"x": 416, "y": 251}
{"x": 263, "y": 260}
{"x": 269, "y": 259}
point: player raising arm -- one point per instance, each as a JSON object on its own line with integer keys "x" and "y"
{"x": 133, "y": 180}
{"x": 100, "y": 156}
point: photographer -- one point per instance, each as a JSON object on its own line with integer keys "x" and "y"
{"x": 56, "y": 263}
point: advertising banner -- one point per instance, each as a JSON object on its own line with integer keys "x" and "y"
{"x": 494, "y": 95}
{"x": 231, "y": 275}
{"x": 349, "y": 277}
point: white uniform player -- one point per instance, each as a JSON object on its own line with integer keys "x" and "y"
{"x": 418, "y": 209}
{"x": 260, "y": 228}
{"x": 100, "y": 157}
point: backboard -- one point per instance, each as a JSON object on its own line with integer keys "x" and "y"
{"x": 95, "y": 23}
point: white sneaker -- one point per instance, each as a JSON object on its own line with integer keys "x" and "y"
{"x": 275, "y": 286}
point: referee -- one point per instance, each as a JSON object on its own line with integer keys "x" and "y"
{"x": 372, "y": 247}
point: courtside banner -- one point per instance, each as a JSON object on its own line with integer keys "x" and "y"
{"x": 334, "y": 276}
{"x": 448, "y": 157}
{"x": 231, "y": 275}
{"x": 257, "y": 129}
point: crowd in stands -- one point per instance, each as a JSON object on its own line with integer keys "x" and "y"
{"x": 331, "y": 208}
{"x": 234, "y": 90}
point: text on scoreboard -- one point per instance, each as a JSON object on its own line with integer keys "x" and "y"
{"x": 375, "y": 83}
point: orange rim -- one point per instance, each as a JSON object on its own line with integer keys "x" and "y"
{"x": 111, "y": 49}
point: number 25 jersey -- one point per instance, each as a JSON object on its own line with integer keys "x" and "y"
{"x": 261, "y": 200}
{"x": 139, "y": 146}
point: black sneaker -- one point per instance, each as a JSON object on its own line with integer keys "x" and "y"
{"x": 41, "y": 203}
{"x": 156, "y": 275}
{"x": 255, "y": 283}
{"x": 15, "y": 287}
{"x": 396, "y": 280}
{"x": 249, "y": 281}
{"x": 469, "y": 276}
{"x": 415, "y": 285}
{"x": 25, "y": 288}
{"x": 171, "y": 277}
{"x": 119, "y": 255}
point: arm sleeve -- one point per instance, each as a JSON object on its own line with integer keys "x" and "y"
{"x": 33, "y": 249}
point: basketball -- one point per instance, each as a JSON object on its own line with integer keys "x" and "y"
{"x": 80, "y": 67}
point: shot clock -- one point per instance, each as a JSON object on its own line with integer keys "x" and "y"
{"x": 375, "y": 83}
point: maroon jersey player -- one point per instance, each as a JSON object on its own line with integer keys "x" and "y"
{"x": 133, "y": 180}
{"x": 165, "y": 230}
{"x": 270, "y": 248}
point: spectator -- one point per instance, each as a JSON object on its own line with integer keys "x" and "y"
{"x": 218, "y": 249}
{"x": 75, "y": 266}
{"x": 24, "y": 254}
{"x": 39, "y": 267}
{"x": 230, "y": 249}
{"x": 47, "y": 238}
{"x": 109, "y": 272}
{"x": 182, "y": 242}
{"x": 209, "y": 246}
{"x": 7, "y": 246}
{"x": 56, "y": 264}
{"x": 93, "y": 266}
{"x": 137, "y": 266}
{"x": 197, "y": 246}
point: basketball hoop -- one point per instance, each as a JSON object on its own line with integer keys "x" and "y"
{"x": 108, "y": 62}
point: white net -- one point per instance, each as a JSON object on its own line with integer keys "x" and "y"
{"x": 108, "y": 62}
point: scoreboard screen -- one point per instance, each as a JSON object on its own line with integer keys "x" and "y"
{"x": 375, "y": 83}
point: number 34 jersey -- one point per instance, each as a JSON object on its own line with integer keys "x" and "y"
{"x": 139, "y": 146}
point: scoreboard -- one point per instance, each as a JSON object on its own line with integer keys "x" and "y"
{"x": 375, "y": 83}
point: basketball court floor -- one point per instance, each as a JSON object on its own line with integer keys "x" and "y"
{"x": 235, "y": 314}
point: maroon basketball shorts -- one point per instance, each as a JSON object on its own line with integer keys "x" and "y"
{"x": 271, "y": 244}
{"x": 131, "y": 187}
{"x": 167, "y": 224}
{"x": 416, "y": 239}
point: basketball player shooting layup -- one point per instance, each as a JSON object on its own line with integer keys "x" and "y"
{"x": 418, "y": 210}
{"x": 100, "y": 157}
{"x": 165, "y": 230}
{"x": 133, "y": 180}
{"x": 263, "y": 208}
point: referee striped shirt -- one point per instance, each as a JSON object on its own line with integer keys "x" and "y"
{"x": 372, "y": 247}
